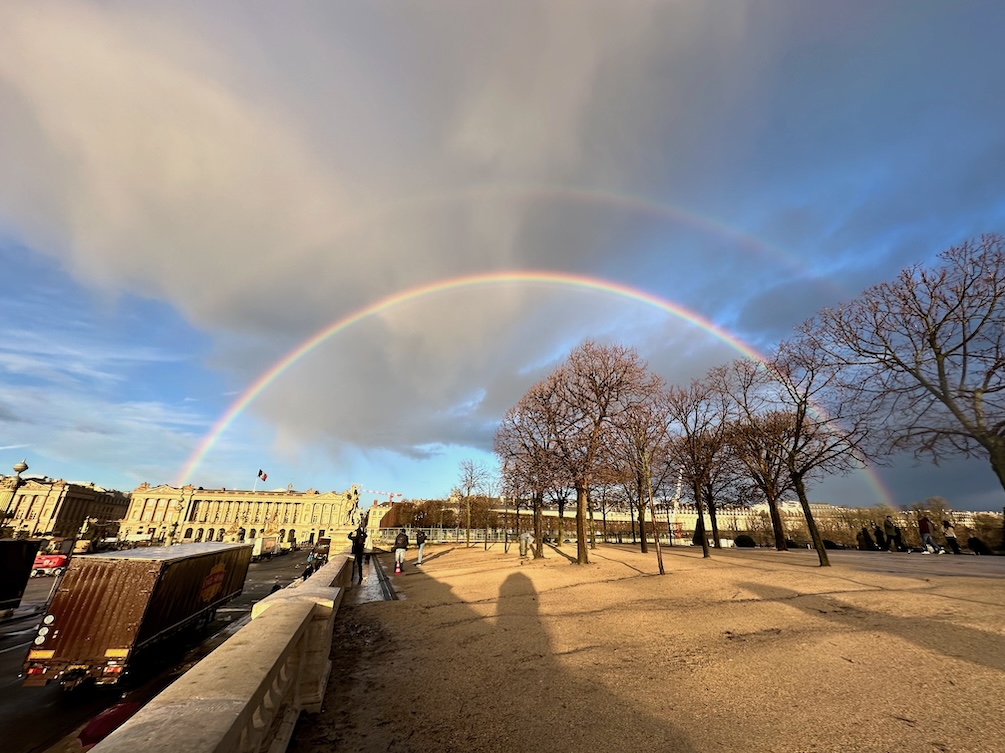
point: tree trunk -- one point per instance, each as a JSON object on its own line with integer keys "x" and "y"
{"x": 701, "y": 524}
{"x": 810, "y": 522}
{"x": 656, "y": 533}
{"x": 776, "y": 525}
{"x": 996, "y": 454}
{"x": 538, "y": 526}
{"x": 582, "y": 550}
{"x": 561, "y": 522}
{"x": 467, "y": 533}
{"x": 714, "y": 520}
{"x": 642, "y": 518}
{"x": 593, "y": 526}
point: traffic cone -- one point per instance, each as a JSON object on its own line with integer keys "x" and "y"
{"x": 397, "y": 568}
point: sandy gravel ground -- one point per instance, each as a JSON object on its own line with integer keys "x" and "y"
{"x": 746, "y": 651}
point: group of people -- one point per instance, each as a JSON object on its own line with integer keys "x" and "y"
{"x": 361, "y": 553}
{"x": 315, "y": 561}
{"x": 889, "y": 537}
{"x": 401, "y": 546}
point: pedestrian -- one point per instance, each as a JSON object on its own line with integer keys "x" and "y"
{"x": 925, "y": 529}
{"x": 890, "y": 531}
{"x": 400, "y": 545}
{"x": 307, "y": 573}
{"x": 525, "y": 539}
{"x": 358, "y": 539}
{"x": 870, "y": 545}
{"x": 420, "y": 542}
{"x": 950, "y": 533}
{"x": 978, "y": 547}
{"x": 898, "y": 539}
{"x": 880, "y": 538}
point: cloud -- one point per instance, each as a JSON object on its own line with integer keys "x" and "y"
{"x": 238, "y": 178}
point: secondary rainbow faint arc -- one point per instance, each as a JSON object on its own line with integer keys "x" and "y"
{"x": 583, "y": 282}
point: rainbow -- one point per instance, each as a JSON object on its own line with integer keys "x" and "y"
{"x": 540, "y": 277}
{"x": 557, "y": 194}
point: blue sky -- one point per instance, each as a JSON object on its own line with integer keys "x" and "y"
{"x": 190, "y": 191}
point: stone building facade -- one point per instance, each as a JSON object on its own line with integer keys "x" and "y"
{"x": 57, "y": 508}
{"x": 173, "y": 514}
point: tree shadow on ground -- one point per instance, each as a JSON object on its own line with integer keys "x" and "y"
{"x": 949, "y": 639}
{"x": 434, "y": 673}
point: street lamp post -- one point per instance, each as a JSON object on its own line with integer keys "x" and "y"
{"x": 179, "y": 506}
{"x": 18, "y": 469}
{"x": 455, "y": 501}
{"x": 505, "y": 503}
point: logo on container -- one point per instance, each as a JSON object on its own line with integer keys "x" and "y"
{"x": 213, "y": 583}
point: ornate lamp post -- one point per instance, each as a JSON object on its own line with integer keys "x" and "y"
{"x": 18, "y": 469}
{"x": 179, "y": 506}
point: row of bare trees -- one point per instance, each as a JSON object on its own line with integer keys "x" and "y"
{"x": 915, "y": 363}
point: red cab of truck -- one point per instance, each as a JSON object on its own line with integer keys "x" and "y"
{"x": 49, "y": 564}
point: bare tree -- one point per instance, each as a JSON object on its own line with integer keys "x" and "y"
{"x": 525, "y": 444}
{"x": 595, "y": 385}
{"x": 639, "y": 447}
{"x": 701, "y": 411}
{"x": 473, "y": 477}
{"x": 758, "y": 434}
{"x": 825, "y": 436}
{"x": 925, "y": 354}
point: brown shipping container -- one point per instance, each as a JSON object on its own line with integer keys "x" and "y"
{"x": 111, "y": 606}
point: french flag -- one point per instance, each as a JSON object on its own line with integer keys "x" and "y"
{"x": 262, "y": 474}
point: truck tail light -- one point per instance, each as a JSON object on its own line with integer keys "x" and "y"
{"x": 36, "y": 670}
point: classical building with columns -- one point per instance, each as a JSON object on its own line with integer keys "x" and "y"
{"x": 40, "y": 506}
{"x": 174, "y": 514}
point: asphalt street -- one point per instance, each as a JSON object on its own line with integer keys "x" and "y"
{"x": 33, "y": 720}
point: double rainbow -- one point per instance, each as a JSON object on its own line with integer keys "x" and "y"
{"x": 555, "y": 279}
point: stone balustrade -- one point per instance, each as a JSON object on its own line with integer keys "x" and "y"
{"x": 246, "y": 696}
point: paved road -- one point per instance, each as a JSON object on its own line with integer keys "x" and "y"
{"x": 35, "y": 719}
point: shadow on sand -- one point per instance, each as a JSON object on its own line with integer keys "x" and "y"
{"x": 468, "y": 681}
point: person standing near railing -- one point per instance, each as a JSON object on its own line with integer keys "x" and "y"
{"x": 358, "y": 539}
{"x": 420, "y": 542}
{"x": 400, "y": 545}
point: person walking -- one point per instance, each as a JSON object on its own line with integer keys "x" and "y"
{"x": 358, "y": 539}
{"x": 880, "y": 538}
{"x": 950, "y": 533}
{"x": 925, "y": 529}
{"x": 420, "y": 543}
{"x": 400, "y": 545}
{"x": 868, "y": 544}
{"x": 525, "y": 542}
{"x": 890, "y": 531}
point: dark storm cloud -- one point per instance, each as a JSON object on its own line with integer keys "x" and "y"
{"x": 266, "y": 172}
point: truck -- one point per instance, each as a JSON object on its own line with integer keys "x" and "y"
{"x": 17, "y": 557}
{"x": 49, "y": 563}
{"x": 112, "y": 608}
{"x": 264, "y": 547}
{"x": 319, "y": 552}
